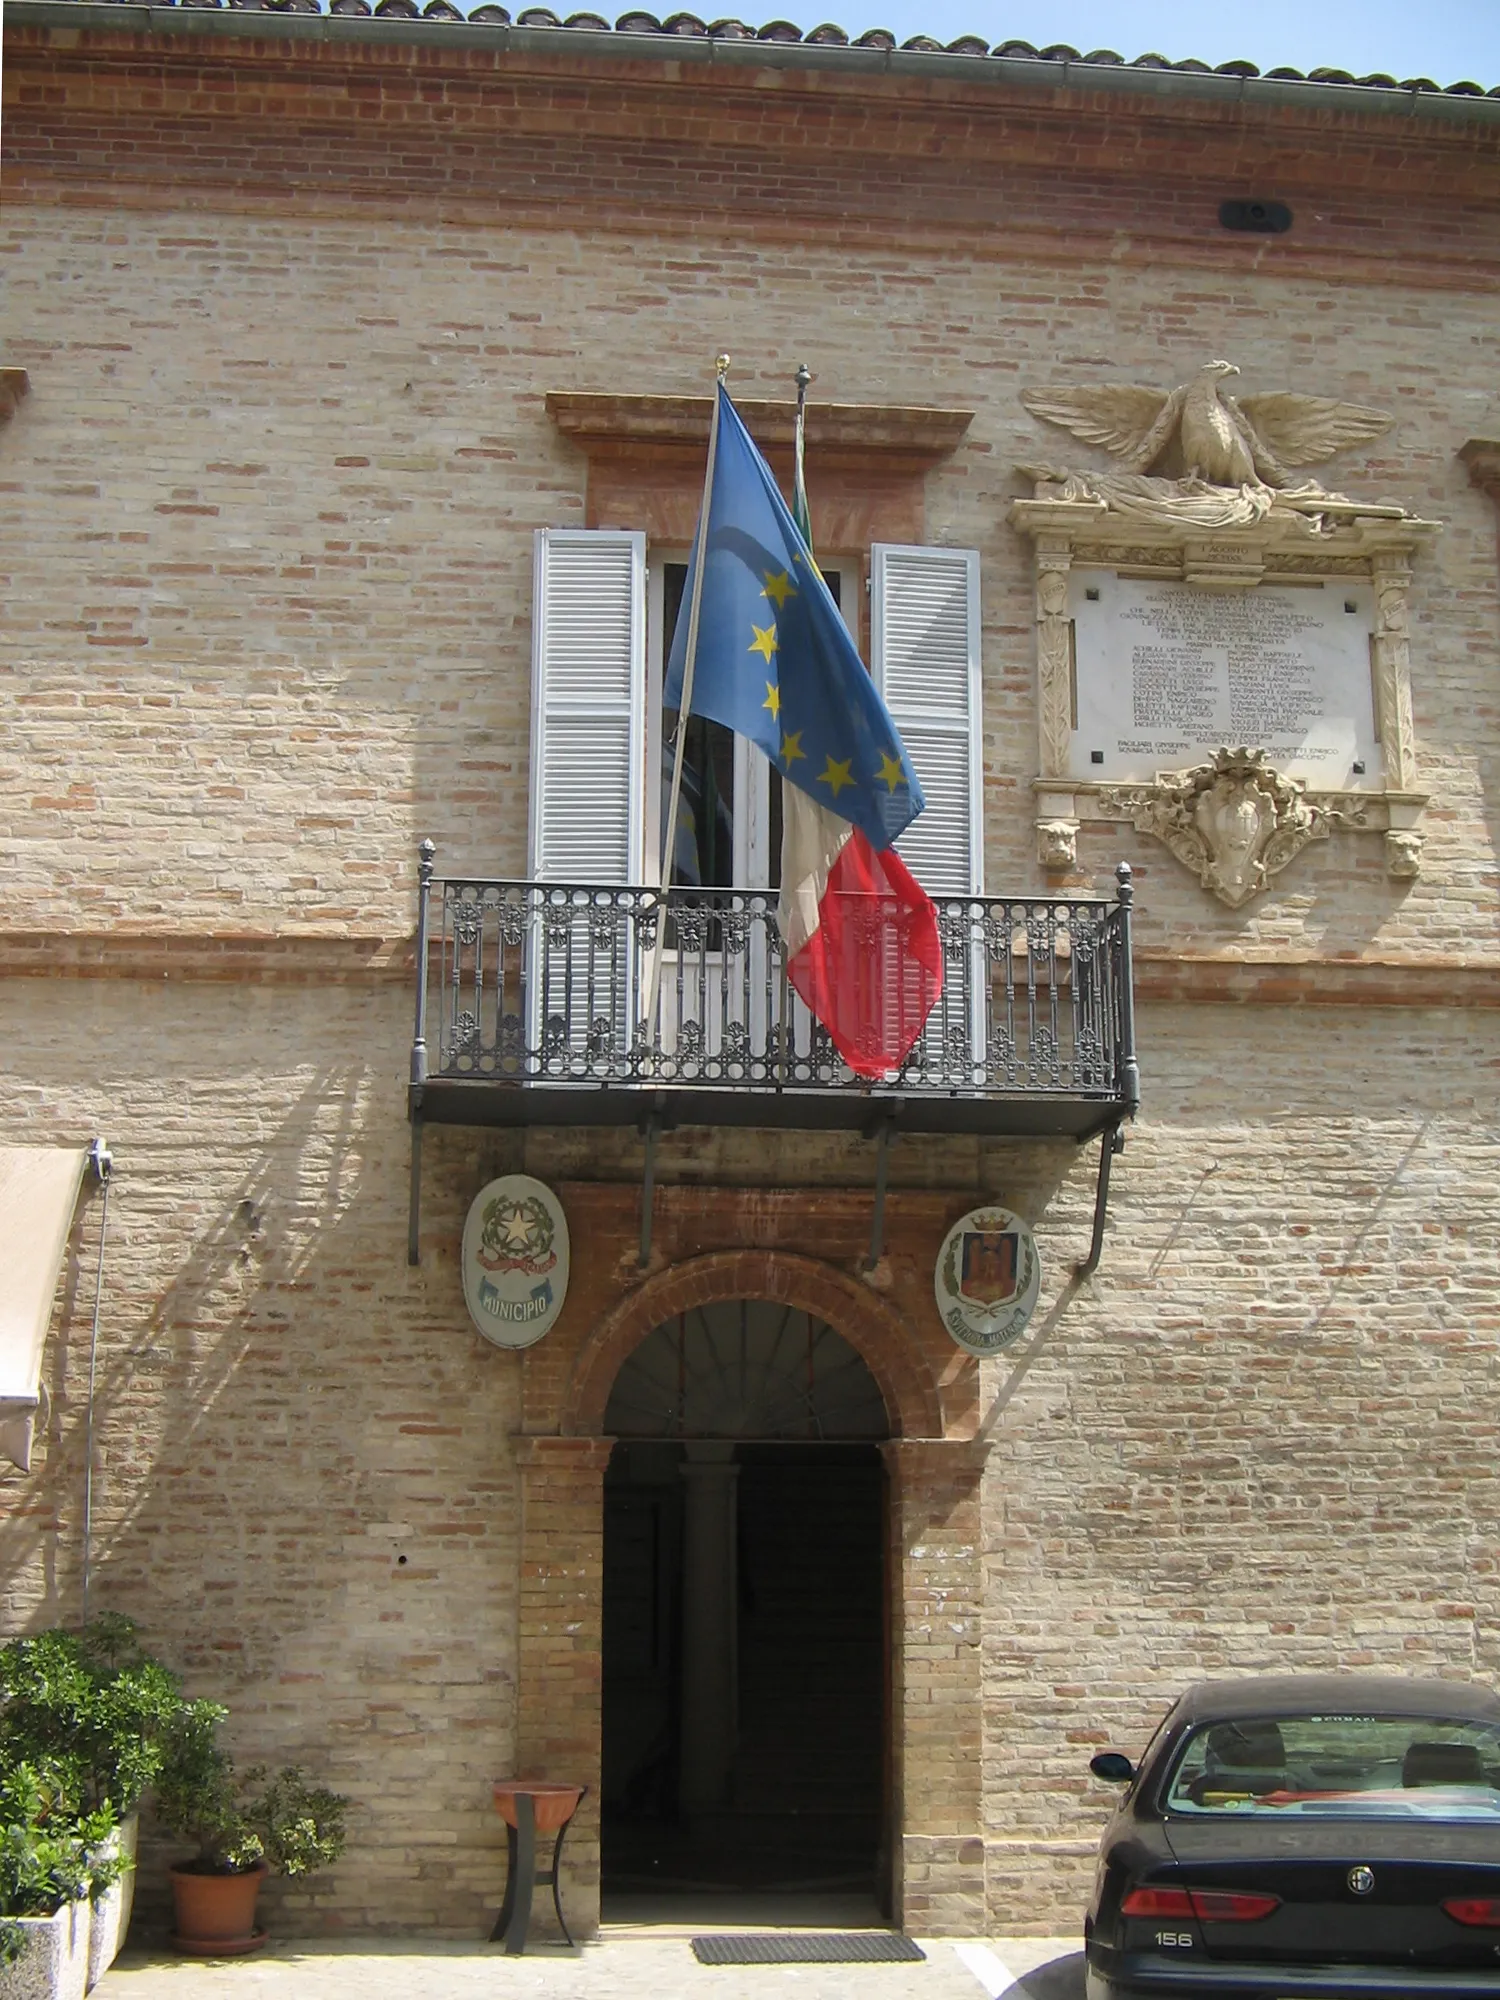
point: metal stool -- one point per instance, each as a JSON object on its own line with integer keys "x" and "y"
{"x": 529, "y": 1807}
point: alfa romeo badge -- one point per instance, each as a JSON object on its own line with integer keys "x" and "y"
{"x": 515, "y": 1260}
{"x": 987, "y": 1278}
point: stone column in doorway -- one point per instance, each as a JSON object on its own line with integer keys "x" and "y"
{"x": 559, "y": 1666}
{"x": 936, "y": 1585}
{"x": 710, "y": 1632}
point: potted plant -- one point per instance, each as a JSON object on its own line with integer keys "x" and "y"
{"x": 244, "y": 1824}
{"x": 54, "y": 1863}
{"x": 90, "y": 1710}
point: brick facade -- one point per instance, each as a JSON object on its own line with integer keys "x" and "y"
{"x": 290, "y": 314}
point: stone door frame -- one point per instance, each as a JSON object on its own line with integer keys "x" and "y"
{"x": 934, "y": 1569}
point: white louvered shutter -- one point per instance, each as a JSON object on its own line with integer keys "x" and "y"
{"x": 588, "y": 706}
{"x": 924, "y": 650}
{"x": 924, "y": 629}
{"x": 588, "y": 734}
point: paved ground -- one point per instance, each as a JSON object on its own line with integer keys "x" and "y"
{"x": 629, "y": 1962}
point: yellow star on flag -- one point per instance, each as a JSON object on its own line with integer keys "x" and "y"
{"x": 791, "y": 748}
{"x": 836, "y": 775}
{"x": 764, "y": 641}
{"x": 773, "y": 699}
{"x": 779, "y": 587}
{"x": 891, "y": 773}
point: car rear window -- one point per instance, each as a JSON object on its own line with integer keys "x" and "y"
{"x": 1359, "y": 1766}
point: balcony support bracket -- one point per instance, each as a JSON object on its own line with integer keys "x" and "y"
{"x": 651, "y": 1129}
{"x": 887, "y": 1132}
{"x": 414, "y": 1196}
{"x": 1111, "y": 1141}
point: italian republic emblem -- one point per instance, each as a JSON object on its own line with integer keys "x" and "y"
{"x": 517, "y": 1235}
{"x": 987, "y": 1278}
{"x": 515, "y": 1260}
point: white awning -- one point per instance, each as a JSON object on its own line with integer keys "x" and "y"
{"x": 38, "y": 1192}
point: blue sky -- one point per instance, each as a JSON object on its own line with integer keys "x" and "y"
{"x": 1447, "y": 40}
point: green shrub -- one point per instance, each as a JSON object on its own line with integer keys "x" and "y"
{"x": 236, "y": 1819}
{"x": 90, "y": 1708}
{"x": 88, "y": 1722}
{"x": 301, "y": 1826}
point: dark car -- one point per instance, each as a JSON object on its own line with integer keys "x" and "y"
{"x": 1336, "y": 1835}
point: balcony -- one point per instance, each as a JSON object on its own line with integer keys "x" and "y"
{"x": 531, "y": 1011}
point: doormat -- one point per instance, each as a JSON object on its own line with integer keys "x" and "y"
{"x": 805, "y": 1948}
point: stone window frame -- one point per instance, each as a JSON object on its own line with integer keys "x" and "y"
{"x": 868, "y": 463}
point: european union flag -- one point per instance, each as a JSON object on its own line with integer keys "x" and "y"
{"x": 775, "y": 660}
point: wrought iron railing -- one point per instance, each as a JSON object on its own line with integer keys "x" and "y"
{"x": 526, "y": 984}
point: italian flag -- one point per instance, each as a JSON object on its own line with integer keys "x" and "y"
{"x": 860, "y": 932}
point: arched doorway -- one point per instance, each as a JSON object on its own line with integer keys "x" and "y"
{"x": 935, "y": 1547}
{"x": 746, "y": 1636}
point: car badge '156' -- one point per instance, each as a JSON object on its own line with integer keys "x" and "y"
{"x": 1361, "y": 1880}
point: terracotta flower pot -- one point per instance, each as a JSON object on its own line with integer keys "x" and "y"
{"x": 554, "y": 1804}
{"x": 216, "y": 1913}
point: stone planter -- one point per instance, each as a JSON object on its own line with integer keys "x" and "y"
{"x": 54, "y": 1959}
{"x": 110, "y": 1915}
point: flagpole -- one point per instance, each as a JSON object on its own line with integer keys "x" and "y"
{"x": 684, "y": 706}
{"x": 799, "y": 488}
{"x": 790, "y": 807}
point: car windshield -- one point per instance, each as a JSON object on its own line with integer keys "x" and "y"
{"x": 1350, "y": 1766}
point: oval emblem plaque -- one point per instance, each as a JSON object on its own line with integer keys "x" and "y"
{"x": 1361, "y": 1880}
{"x": 987, "y": 1278}
{"x": 515, "y": 1260}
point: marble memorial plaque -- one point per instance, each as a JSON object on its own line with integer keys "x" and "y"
{"x": 1167, "y": 673}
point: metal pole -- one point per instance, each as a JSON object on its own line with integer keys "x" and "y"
{"x": 800, "y": 509}
{"x": 426, "y": 854}
{"x": 685, "y": 703}
{"x": 802, "y": 515}
{"x": 1111, "y": 1141}
{"x": 648, "y": 1191}
{"x": 414, "y": 1195}
{"x": 103, "y": 1165}
{"x": 1130, "y": 1069}
{"x": 877, "y": 1216}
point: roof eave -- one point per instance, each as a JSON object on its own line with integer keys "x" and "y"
{"x": 616, "y": 46}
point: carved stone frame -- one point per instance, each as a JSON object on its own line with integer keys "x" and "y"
{"x": 1378, "y": 546}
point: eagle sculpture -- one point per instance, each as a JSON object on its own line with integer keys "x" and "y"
{"x": 1196, "y": 432}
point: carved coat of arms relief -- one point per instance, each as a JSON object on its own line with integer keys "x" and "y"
{"x": 1234, "y": 823}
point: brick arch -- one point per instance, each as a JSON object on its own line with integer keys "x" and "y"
{"x": 877, "y": 1333}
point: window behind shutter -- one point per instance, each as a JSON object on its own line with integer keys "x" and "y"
{"x": 588, "y": 706}
{"x": 924, "y": 626}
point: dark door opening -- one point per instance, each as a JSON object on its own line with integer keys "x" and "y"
{"x": 745, "y": 1692}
